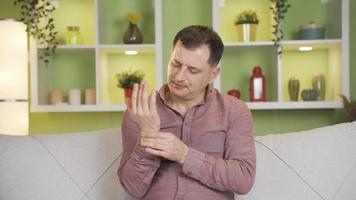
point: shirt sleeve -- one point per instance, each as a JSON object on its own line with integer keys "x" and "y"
{"x": 137, "y": 167}
{"x": 236, "y": 171}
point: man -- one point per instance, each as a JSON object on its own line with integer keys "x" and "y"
{"x": 188, "y": 141}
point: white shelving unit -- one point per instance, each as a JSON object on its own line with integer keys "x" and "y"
{"x": 335, "y": 47}
{"x": 99, "y": 53}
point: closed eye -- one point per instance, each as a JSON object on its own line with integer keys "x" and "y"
{"x": 194, "y": 70}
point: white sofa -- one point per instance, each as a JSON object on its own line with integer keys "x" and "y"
{"x": 317, "y": 164}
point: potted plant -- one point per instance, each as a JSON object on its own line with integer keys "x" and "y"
{"x": 127, "y": 79}
{"x": 132, "y": 34}
{"x": 36, "y": 14}
{"x": 246, "y": 23}
{"x": 279, "y": 9}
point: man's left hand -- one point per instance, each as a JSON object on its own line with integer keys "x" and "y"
{"x": 166, "y": 145}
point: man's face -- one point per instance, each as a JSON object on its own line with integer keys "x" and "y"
{"x": 189, "y": 72}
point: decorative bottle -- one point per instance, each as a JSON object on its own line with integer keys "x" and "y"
{"x": 73, "y": 35}
{"x": 257, "y": 85}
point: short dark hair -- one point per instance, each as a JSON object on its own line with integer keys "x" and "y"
{"x": 196, "y": 35}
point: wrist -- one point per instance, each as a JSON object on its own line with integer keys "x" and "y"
{"x": 182, "y": 160}
{"x": 145, "y": 132}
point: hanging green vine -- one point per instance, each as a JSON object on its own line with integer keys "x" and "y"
{"x": 36, "y": 14}
{"x": 279, "y": 9}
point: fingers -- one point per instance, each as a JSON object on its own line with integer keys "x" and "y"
{"x": 134, "y": 98}
{"x": 128, "y": 105}
{"x": 153, "y": 107}
{"x": 157, "y": 152}
{"x": 139, "y": 98}
{"x": 145, "y": 99}
{"x": 161, "y": 135}
{"x": 155, "y": 143}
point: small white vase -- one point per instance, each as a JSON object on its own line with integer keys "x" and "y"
{"x": 74, "y": 97}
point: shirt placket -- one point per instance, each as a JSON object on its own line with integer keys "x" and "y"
{"x": 182, "y": 178}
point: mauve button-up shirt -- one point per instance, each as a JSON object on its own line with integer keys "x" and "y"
{"x": 221, "y": 158}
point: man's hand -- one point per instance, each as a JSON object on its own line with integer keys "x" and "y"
{"x": 166, "y": 145}
{"x": 142, "y": 108}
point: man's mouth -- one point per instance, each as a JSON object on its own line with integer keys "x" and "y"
{"x": 178, "y": 86}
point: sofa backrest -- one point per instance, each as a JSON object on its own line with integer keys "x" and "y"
{"x": 314, "y": 164}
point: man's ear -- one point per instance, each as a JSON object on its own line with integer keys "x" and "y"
{"x": 215, "y": 71}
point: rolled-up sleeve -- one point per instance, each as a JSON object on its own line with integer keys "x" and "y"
{"x": 137, "y": 167}
{"x": 236, "y": 171}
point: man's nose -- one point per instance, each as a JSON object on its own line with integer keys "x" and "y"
{"x": 180, "y": 74}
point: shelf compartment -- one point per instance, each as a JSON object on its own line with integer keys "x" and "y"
{"x": 112, "y": 24}
{"x": 325, "y": 58}
{"x": 231, "y": 8}
{"x": 76, "y": 13}
{"x": 327, "y": 13}
{"x": 113, "y": 61}
{"x": 68, "y": 69}
{"x": 236, "y": 69}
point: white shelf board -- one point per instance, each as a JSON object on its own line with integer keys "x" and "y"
{"x": 246, "y": 44}
{"x": 76, "y": 46}
{"x": 78, "y": 108}
{"x": 316, "y": 44}
{"x": 294, "y": 105}
{"x": 127, "y": 46}
{"x": 251, "y": 105}
{"x": 65, "y": 46}
{"x": 141, "y": 48}
{"x": 322, "y": 41}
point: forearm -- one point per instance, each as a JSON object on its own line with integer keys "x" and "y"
{"x": 236, "y": 175}
{"x": 137, "y": 170}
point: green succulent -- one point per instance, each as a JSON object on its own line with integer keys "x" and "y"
{"x": 247, "y": 17}
{"x": 127, "y": 79}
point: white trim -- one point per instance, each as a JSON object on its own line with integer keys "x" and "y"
{"x": 158, "y": 43}
{"x": 345, "y": 48}
{"x": 216, "y": 26}
{"x": 97, "y": 52}
{"x": 34, "y": 72}
{"x": 279, "y": 77}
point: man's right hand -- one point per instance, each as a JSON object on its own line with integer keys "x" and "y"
{"x": 142, "y": 108}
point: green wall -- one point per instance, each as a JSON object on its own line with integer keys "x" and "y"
{"x": 177, "y": 14}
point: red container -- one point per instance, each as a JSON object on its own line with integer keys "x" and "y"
{"x": 257, "y": 85}
{"x": 128, "y": 92}
{"x": 234, "y": 93}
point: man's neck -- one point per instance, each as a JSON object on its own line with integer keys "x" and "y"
{"x": 182, "y": 105}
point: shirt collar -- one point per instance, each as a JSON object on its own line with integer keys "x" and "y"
{"x": 208, "y": 93}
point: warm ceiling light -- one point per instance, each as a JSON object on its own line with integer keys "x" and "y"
{"x": 305, "y": 48}
{"x": 131, "y": 52}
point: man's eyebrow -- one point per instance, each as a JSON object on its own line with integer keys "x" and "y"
{"x": 176, "y": 61}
